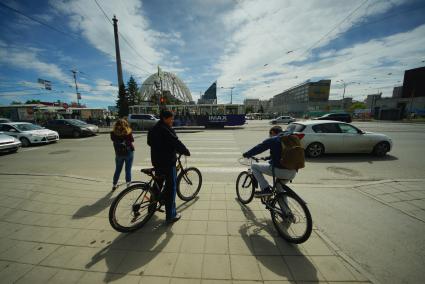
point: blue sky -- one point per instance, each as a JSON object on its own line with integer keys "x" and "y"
{"x": 258, "y": 47}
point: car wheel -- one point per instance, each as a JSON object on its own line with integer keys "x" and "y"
{"x": 381, "y": 149}
{"x": 315, "y": 150}
{"x": 75, "y": 134}
{"x": 14, "y": 150}
{"x": 25, "y": 142}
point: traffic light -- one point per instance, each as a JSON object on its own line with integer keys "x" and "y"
{"x": 162, "y": 100}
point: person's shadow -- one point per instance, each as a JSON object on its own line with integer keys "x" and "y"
{"x": 95, "y": 208}
{"x": 147, "y": 237}
{"x": 119, "y": 267}
{"x": 309, "y": 272}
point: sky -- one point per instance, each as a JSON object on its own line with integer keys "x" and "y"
{"x": 258, "y": 48}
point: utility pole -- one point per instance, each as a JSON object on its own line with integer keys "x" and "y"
{"x": 117, "y": 53}
{"x": 74, "y": 72}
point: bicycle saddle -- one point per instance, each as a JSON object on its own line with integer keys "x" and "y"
{"x": 149, "y": 171}
{"x": 284, "y": 181}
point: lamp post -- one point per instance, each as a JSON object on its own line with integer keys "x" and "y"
{"x": 343, "y": 93}
{"x": 231, "y": 93}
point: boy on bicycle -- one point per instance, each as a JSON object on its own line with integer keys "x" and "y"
{"x": 273, "y": 143}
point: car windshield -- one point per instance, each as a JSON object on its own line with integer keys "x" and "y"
{"x": 77, "y": 122}
{"x": 27, "y": 127}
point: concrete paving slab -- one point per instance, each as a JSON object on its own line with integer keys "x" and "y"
{"x": 218, "y": 240}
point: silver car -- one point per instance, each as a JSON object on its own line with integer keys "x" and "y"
{"x": 142, "y": 121}
{"x": 282, "y": 119}
{"x": 328, "y": 136}
{"x": 29, "y": 133}
{"x": 9, "y": 143}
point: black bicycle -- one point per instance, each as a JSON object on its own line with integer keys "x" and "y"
{"x": 289, "y": 212}
{"x": 137, "y": 203}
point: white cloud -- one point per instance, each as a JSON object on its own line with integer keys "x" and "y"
{"x": 264, "y": 34}
{"x": 87, "y": 19}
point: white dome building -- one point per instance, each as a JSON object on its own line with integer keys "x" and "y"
{"x": 170, "y": 83}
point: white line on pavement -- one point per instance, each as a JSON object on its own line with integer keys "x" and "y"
{"x": 204, "y": 169}
{"x": 30, "y": 149}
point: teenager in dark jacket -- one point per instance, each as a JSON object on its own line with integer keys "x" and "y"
{"x": 273, "y": 144}
{"x": 165, "y": 145}
{"x": 122, "y": 139}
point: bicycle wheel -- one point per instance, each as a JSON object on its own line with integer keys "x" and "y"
{"x": 291, "y": 217}
{"x": 245, "y": 187}
{"x": 189, "y": 183}
{"x": 132, "y": 208}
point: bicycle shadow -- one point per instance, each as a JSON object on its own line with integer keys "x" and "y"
{"x": 95, "y": 208}
{"x": 302, "y": 266}
{"x": 121, "y": 258}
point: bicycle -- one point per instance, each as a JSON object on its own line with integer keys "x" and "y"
{"x": 289, "y": 212}
{"x": 145, "y": 196}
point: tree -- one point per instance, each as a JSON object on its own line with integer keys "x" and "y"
{"x": 132, "y": 91}
{"x": 122, "y": 102}
{"x": 249, "y": 109}
{"x": 33, "y": 102}
{"x": 261, "y": 109}
{"x": 16, "y": 103}
{"x": 357, "y": 105}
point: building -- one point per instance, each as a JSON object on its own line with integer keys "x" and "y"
{"x": 252, "y": 105}
{"x": 398, "y": 92}
{"x": 414, "y": 83}
{"x": 210, "y": 95}
{"x": 162, "y": 83}
{"x": 298, "y": 100}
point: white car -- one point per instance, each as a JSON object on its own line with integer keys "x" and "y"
{"x": 29, "y": 133}
{"x": 9, "y": 143}
{"x": 283, "y": 119}
{"x": 327, "y": 136}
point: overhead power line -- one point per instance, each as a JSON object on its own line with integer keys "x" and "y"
{"x": 38, "y": 21}
{"x": 122, "y": 36}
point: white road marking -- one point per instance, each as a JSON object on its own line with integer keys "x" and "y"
{"x": 29, "y": 149}
{"x": 204, "y": 169}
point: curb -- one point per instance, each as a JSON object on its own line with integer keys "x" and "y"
{"x": 359, "y": 269}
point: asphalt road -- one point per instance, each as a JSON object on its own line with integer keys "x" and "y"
{"x": 375, "y": 236}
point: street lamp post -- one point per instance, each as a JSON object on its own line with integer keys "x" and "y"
{"x": 231, "y": 93}
{"x": 343, "y": 93}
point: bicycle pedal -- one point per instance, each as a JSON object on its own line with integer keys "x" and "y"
{"x": 159, "y": 209}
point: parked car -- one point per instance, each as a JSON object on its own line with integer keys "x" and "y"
{"x": 9, "y": 143}
{"x": 29, "y": 133}
{"x": 142, "y": 121}
{"x": 326, "y": 136}
{"x": 72, "y": 127}
{"x": 283, "y": 119}
{"x": 344, "y": 117}
{"x": 4, "y": 120}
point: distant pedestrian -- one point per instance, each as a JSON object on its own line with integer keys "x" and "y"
{"x": 108, "y": 121}
{"x": 122, "y": 138}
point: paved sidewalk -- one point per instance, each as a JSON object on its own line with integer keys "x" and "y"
{"x": 407, "y": 196}
{"x": 56, "y": 230}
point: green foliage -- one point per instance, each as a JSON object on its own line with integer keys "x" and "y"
{"x": 122, "y": 102}
{"x": 33, "y": 102}
{"x": 357, "y": 105}
{"x": 133, "y": 92}
{"x": 16, "y": 103}
{"x": 249, "y": 109}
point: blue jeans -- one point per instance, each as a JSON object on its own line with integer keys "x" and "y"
{"x": 119, "y": 162}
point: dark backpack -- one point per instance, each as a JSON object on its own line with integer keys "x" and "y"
{"x": 292, "y": 157}
{"x": 121, "y": 148}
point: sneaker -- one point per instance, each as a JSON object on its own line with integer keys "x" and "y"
{"x": 263, "y": 193}
{"x": 114, "y": 187}
{"x": 175, "y": 219}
